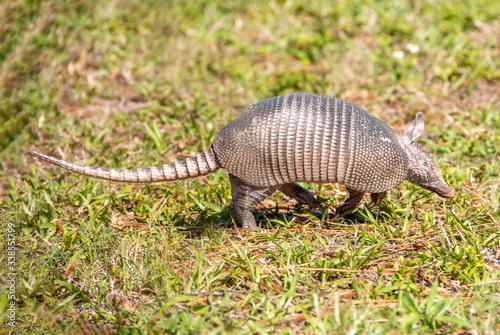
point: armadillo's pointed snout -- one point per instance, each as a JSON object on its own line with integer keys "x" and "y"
{"x": 449, "y": 194}
{"x": 445, "y": 191}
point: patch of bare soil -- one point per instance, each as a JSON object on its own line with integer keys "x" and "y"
{"x": 123, "y": 103}
{"x": 404, "y": 103}
{"x": 82, "y": 71}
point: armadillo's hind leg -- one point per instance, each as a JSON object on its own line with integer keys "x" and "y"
{"x": 377, "y": 198}
{"x": 301, "y": 195}
{"x": 354, "y": 199}
{"x": 245, "y": 199}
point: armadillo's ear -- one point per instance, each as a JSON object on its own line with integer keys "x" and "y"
{"x": 416, "y": 128}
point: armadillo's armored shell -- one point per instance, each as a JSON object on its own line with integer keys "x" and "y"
{"x": 311, "y": 138}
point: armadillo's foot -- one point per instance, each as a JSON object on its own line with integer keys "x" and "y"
{"x": 354, "y": 199}
{"x": 245, "y": 199}
{"x": 377, "y": 198}
{"x": 243, "y": 218}
{"x": 301, "y": 195}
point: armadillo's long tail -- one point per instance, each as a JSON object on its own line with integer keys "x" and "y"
{"x": 199, "y": 165}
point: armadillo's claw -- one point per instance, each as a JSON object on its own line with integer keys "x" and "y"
{"x": 301, "y": 195}
{"x": 377, "y": 198}
{"x": 352, "y": 202}
{"x": 319, "y": 206}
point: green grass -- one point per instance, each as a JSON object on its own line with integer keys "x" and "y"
{"x": 124, "y": 84}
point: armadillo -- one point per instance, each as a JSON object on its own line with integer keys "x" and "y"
{"x": 298, "y": 137}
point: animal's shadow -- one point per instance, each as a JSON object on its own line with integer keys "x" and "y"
{"x": 293, "y": 215}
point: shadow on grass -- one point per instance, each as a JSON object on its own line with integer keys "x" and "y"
{"x": 284, "y": 216}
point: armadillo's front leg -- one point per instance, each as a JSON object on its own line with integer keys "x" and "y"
{"x": 301, "y": 195}
{"x": 245, "y": 199}
{"x": 354, "y": 199}
{"x": 377, "y": 198}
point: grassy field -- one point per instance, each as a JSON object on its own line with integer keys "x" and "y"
{"x": 127, "y": 84}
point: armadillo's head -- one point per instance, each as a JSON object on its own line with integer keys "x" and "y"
{"x": 422, "y": 171}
